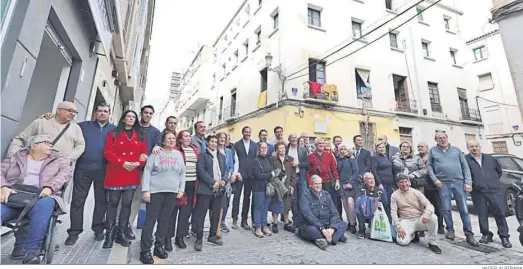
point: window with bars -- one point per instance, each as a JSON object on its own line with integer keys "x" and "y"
{"x": 356, "y": 29}
{"x": 425, "y": 47}
{"x": 406, "y": 134}
{"x": 500, "y": 147}
{"x": 435, "y": 103}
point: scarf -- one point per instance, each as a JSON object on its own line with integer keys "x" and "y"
{"x": 215, "y": 165}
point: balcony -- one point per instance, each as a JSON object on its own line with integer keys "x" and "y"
{"x": 407, "y": 106}
{"x": 328, "y": 94}
{"x": 194, "y": 103}
{"x": 229, "y": 113}
{"x": 470, "y": 115}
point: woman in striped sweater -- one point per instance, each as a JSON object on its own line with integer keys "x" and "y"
{"x": 190, "y": 154}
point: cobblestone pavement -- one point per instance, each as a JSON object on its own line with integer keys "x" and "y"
{"x": 85, "y": 251}
{"x": 241, "y": 247}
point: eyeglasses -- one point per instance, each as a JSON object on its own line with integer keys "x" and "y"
{"x": 48, "y": 143}
{"x": 70, "y": 110}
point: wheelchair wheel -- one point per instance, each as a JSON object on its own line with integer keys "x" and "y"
{"x": 49, "y": 243}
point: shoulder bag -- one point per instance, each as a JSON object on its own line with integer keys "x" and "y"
{"x": 332, "y": 179}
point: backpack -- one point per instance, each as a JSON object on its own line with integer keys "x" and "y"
{"x": 365, "y": 206}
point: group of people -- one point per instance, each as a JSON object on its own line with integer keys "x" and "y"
{"x": 182, "y": 177}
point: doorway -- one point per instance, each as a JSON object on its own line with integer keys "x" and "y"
{"x": 49, "y": 80}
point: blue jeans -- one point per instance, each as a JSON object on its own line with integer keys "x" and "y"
{"x": 261, "y": 208}
{"x": 38, "y": 217}
{"x": 311, "y": 233}
{"x": 460, "y": 196}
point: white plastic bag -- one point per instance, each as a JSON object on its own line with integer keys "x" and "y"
{"x": 380, "y": 228}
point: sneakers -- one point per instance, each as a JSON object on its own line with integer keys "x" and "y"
{"x": 435, "y": 249}
{"x": 215, "y": 240}
{"x": 266, "y": 231}
{"x": 416, "y": 238}
{"x": 275, "y": 228}
{"x": 321, "y": 243}
{"x": 224, "y": 228}
{"x": 361, "y": 234}
{"x": 352, "y": 228}
{"x": 31, "y": 258}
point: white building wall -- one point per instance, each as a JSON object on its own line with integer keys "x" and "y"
{"x": 294, "y": 42}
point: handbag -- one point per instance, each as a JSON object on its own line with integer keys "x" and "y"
{"x": 24, "y": 196}
{"x": 414, "y": 182}
{"x": 332, "y": 179}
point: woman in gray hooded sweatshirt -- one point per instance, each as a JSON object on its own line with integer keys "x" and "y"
{"x": 163, "y": 181}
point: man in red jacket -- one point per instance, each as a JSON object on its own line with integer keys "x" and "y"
{"x": 323, "y": 164}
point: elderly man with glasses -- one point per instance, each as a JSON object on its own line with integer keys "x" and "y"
{"x": 71, "y": 144}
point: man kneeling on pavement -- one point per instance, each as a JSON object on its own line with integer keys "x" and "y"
{"x": 412, "y": 212}
{"x": 321, "y": 223}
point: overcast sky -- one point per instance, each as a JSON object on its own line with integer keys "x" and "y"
{"x": 179, "y": 27}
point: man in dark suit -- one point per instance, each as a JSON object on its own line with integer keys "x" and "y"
{"x": 262, "y": 135}
{"x": 486, "y": 172}
{"x": 362, "y": 155}
{"x": 246, "y": 151}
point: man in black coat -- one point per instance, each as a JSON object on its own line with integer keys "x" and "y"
{"x": 486, "y": 172}
{"x": 246, "y": 150}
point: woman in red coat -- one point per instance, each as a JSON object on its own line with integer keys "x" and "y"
{"x": 122, "y": 150}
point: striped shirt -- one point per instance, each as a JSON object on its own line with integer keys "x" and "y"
{"x": 190, "y": 164}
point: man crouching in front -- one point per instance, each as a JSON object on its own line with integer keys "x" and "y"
{"x": 321, "y": 221}
{"x": 412, "y": 212}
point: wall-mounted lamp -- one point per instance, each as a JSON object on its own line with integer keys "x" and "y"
{"x": 300, "y": 112}
{"x": 96, "y": 48}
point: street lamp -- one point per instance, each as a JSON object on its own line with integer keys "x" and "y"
{"x": 278, "y": 70}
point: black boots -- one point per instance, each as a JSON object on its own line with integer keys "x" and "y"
{"x": 129, "y": 234}
{"x": 178, "y": 241}
{"x": 121, "y": 236}
{"x": 168, "y": 244}
{"x": 109, "y": 237}
{"x": 146, "y": 257}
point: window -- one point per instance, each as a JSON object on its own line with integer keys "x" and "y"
{"x": 213, "y": 80}
{"x": 225, "y": 38}
{"x": 519, "y": 162}
{"x": 406, "y": 135}
{"x": 248, "y": 11}
{"x": 446, "y": 21}
{"x": 469, "y": 137}
{"x": 316, "y": 71}
{"x": 233, "y": 102}
{"x": 275, "y": 20}
{"x": 434, "y": 97}
{"x": 506, "y": 163}
{"x": 236, "y": 58}
{"x": 453, "y": 56}
{"x": 363, "y": 89}
{"x": 464, "y": 104}
{"x": 485, "y": 82}
{"x": 419, "y": 10}
{"x": 425, "y": 47}
{"x": 480, "y": 53}
{"x": 356, "y": 29}
{"x": 388, "y": 4}
{"x": 264, "y": 80}
{"x": 220, "y": 114}
{"x": 314, "y": 17}
{"x": 238, "y": 22}
{"x": 393, "y": 40}
{"x": 224, "y": 67}
{"x": 258, "y": 35}
{"x": 246, "y": 47}
{"x": 260, "y": 2}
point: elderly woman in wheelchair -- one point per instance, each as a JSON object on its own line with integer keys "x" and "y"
{"x": 31, "y": 185}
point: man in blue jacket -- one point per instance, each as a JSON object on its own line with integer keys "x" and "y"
{"x": 486, "y": 172}
{"x": 90, "y": 168}
{"x": 450, "y": 172}
{"x": 321, "y": 220}
{"x": 362, "y": 155}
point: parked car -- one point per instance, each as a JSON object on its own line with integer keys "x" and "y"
{"x": 512, "y": 176}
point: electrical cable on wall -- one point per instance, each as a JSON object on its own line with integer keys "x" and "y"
{"x": 371, "y": 42}
{"x": 360, "y": 38}
{"x": 495, "y": 102}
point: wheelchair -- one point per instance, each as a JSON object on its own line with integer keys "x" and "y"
{"x": 48, "y": 247}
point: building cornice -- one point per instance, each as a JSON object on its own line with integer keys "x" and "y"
{"x": 481, "y": 37}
